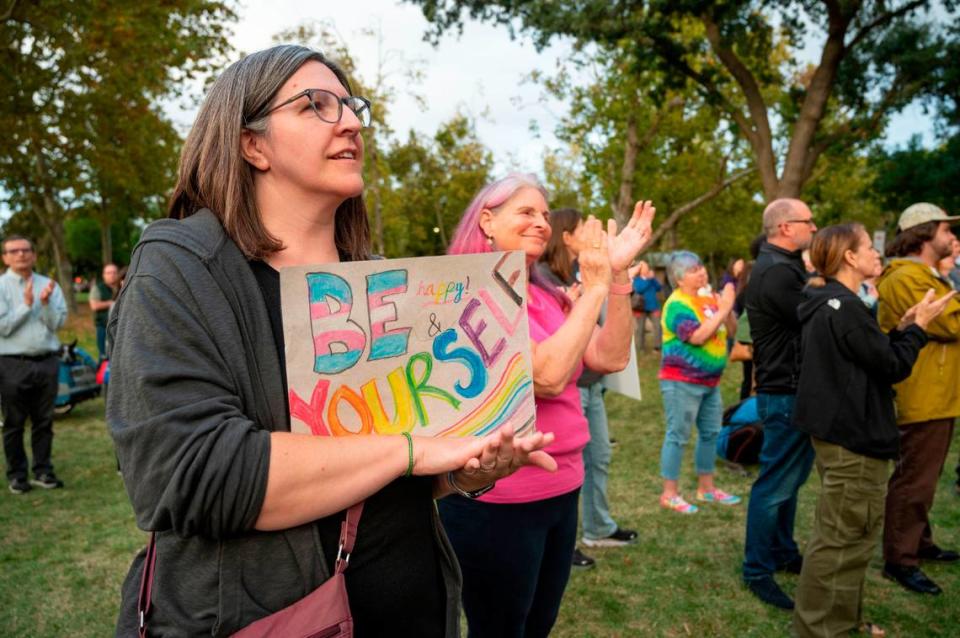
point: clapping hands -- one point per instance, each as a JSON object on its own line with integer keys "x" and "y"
{"x": 926, "y": 310}
{"x": 46, "y": 292}
{"x": 635, "y": 236}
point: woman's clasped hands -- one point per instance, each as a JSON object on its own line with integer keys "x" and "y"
{"x": 479, "y": 461}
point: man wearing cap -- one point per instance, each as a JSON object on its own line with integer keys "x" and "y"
{"x": 772, "y": 296}
{"x": 32, "y": 309}
{"x": 927, "y": 402}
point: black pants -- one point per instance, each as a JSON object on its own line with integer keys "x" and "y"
{"x": 28, "y": 388}
{"x": 515, "y": 560}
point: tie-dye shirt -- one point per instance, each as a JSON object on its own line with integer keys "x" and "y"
{"x": 683, "y": 361}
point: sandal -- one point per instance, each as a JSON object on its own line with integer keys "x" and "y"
{"x": 872, "y": 630}
{"x": 677, "y": 504}
{"x": 718, "y": 496}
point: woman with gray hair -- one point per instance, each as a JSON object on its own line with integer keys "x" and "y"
{"x": 695, "y": 324}
{"x": 247, "y": 515}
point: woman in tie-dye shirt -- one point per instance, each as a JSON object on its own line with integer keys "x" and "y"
{"x": 695, "y": 322}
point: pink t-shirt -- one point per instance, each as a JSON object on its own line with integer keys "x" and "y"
{"x": 561, "y": 415}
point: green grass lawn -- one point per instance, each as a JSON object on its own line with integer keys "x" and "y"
{"x": 64, "y": 553}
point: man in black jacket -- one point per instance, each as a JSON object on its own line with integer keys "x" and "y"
{"x": 773, "y": 294}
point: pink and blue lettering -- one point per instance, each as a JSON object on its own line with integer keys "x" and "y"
{"x": 385, "y": 343}
{"x": 338, "y": 341}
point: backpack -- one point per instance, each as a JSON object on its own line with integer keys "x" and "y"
{"x": 741, "y": 436}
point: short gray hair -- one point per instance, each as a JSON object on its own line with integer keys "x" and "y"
{"x": 679, "y": 263}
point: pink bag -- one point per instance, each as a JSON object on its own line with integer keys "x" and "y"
{"x": 324, "y": 613}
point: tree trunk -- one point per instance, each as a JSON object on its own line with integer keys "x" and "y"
{"x": 759, "y": 135}
{"x": 625, "y": 201}
{"x": 51, "y": 216}
{"x": 798, "y": 165}
{"x": 377, "y": 199}
{"x": 623, "y": 209}
{"x": 53, "y": 222}
{"x": 106, "y": 242}
{"x": 443, "y": 232}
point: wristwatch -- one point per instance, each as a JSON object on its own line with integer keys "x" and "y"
{"x": 462, "y": 492}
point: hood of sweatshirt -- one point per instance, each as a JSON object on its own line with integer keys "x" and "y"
{"x": 833, "y": 294}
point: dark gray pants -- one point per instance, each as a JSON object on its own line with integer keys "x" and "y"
{"x": 846, "y": 531}
{"x": 28, "y": 388}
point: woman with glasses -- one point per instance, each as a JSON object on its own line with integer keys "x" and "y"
{"x": 247, "y": 515}
{"x": 514, "y": 542}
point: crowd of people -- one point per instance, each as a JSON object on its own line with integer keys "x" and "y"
{"x": 247, "y": 518}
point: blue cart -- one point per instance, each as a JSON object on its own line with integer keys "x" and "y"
{"x": 77, "y": 378}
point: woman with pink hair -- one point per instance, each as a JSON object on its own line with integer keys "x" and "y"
{"x": 514, "y": 541}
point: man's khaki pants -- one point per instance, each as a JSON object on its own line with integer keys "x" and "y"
{"x": 846, "y": 530}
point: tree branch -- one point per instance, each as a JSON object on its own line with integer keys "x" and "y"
{"x": 6, "y": 15}
{"x": 707, "y": 87}
{"x": 682, "y": 210}
{"x": 763, "y": 138}
{"x": 867, "y": 127}
{"x": 814, "y": 104}
{"x": 882, "y": 20}
{"x": 622, "y": 207}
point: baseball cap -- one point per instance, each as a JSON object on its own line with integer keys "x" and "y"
{"x": 921, "y": 213}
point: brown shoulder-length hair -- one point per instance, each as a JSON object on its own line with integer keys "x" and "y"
{"x": 911, "y": 241}
{"x": 555, "y": 255}
{"x": 213, "y": 173}
{"x": 827, "y": 249}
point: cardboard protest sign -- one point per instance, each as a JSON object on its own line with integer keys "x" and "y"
{"x": 627, "y": 381}
{"x": 434, "y": 346}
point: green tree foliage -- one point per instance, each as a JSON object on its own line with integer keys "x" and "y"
{"x": 392, "y": 69}
{"x": 916, "y": 174}
{"x": 432, "y": 181}
{"x": 637, "y": 138}
{"x": 842, "y": 191}
{"x": 417, "y": 189}
{"x": 563, "y": 177}
{"x": 745, "y": 58}
{"x": 81, "y": 106}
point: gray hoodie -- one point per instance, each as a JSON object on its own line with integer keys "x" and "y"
{"x": 195, "y": 392}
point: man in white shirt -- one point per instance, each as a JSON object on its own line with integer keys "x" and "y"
{"x": 32, "y": 309}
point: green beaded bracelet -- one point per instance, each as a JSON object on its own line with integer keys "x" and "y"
{"x": 409, "y": 471}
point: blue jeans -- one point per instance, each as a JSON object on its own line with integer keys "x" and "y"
{"x": 515, "y": 559}
{"x": 683, "y": 405}
{"x": 785, "y": 461}
{"x": 597, "y": 522}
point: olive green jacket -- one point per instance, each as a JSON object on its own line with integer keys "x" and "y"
{"x": 933, "y": 389}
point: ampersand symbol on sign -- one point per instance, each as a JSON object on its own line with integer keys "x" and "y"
{"x": 434, "y": 328}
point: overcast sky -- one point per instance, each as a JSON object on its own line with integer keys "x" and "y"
{"x": 480, "y": 73}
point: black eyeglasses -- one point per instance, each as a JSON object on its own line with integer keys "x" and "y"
{"x": 18, "y": 251}
{"x": 808, "y": 222}
{"x": 329, "y": 106}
